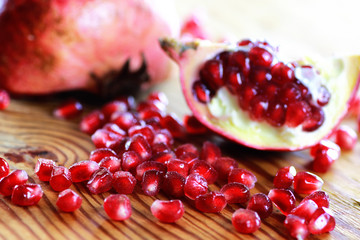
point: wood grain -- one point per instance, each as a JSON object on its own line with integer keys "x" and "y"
{"x": 28, "y": 131}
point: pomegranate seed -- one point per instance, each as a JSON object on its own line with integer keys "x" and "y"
{"x": 149, "y": 165}
{"x": 113, "y": 106}
{"x": 4, "y": 99}
{"x": 43, "y": 168}
{"x": 321, "y": 198}
{"x": 305, "y": 209}
{"x": 100, "y": 181}
{"x": 212, "y": 71}
{"x": 346, "y": 138}
{"x": 212, "y": 202}
{"x": 123, "y": 182}
{"x": 306, "y": 183}
{"x": 68, "y": 110}
{"x": 261, "y": 204}
{"x": 98, "y": 154}
{"x": 324, "y": 160}
{"x": 322, "y": 221}
{"x": 186, "y": 148}
{"x": 166, "y": 157}
{"x": 158, "y": 148}
{"x": 193, "y": 126}
{"x": 159, "y": 96}
{"x": 204, "y": 169}
{"x": 276, "y": 114}
{"x": 141, "y": 146}
{"x": 283, "y": 199}
{"x": 173, "y": 184}
{"x": 178, "y": 166}
{"x": 210, "y": 152}
{"x": 91, "y": 122}
{"x": 284, "y": 177}
{"x": 151, "y": 117}
{"x": 4, "y": 168}
{"x": 282, "y": 73}
{"x": 128, "y": 100}
{"x": 246, "y": 221}
{"x": 297, "y": 113}
{"x": 239, "y": 59}
{"x": 324, "y": 146}
{"x": 243, "y": 176}
{"x": 60, "y": 178}
{"x": 118, "y": 207}
{"x": 151, "y": 182}
{"x": 111, "y": 163}
{"x": 163, "y": 136}
{"x": 258, "y": 107}
{"x": 112, "y": 127}
{"x": 167, "y": 211}
{"x": 171, "y": 123}
{"x": 260, "y": 57}
{"x": 130, "y": 160}
{"x": 68, "y": 201}
{"x": 315, "y": 121}
{"x": 235, "y": 193}
{"x": 195, "y": 185}
{"x": 146, "y": 131}
{"x": 154, "y": 105}
{"x": 224, "y": 165}
{"x": 296, "y": 227}
{"x": 124, "y": 120}
{"x": 27, "y": 194}
{"x": 16, "y": 177}
{"x": 190, "y": 158}
{"x": 82, "y": 171}
{"x": 248, "y": 92}
{"x": 324, "y": 96}
{"x": 201, "y": 92}
{"x": 105, "y": 139}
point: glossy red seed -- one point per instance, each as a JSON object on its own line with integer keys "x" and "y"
{"x": 224, "y": 165}
{"x": 118, "y": 207}
{"x": 141, "y": 146}
{"x": 69, "y": 109}
{"x": 4, "y": 99}
{"x": 260, "y": 57}
{"x": 233, "y": 80}
{"x": 82, "y": 171}
{"x": 212, "y": 202}
{"x": 261, "y": 204}
{"x": 190, "y": 158}
{"x": 283, "y": 199}
{"x": 248, "y": 92}
{"x": 323, "y": 96}
{"x": 282, "y": 73}
{"x": 159, "y": 96}
{"x": 173, "y": 184}
{"x": 114, "y": 106}
{"x": 124, "y": 120}
{"x": 258, "y": 108}
{"x": 306, "y": 183}
{"x": 91, "y": 122}
{"x": 158, "y": 148}
{"x": 130, "y": 160}
{"x": 27, "y": 194}
{"x": 195, "y": 185}
{"x": 296, "y": 226}
{"x": 204, "y": 169}
{"x": 4, "y": 168}
{"x": 210, "y": 152}
{"x": 68, "y": 201}
{"x": 98, "y": 154}
{"x": 243, "y": 176}
{"x": 60, "y": 178}
{"x": 151, "y": 182}
{"x": 123, "y": 182}
{"x": 43, "y": 168}
{"x": 174, "y": 125}
{"x": 105, "y": 139}
{"x": 212, "y": 73}
{"x": 16, "y": 177}
{"x": 284, "y": 177}
{"x": 178, "y": 166}
{"x": 164, "y": 157}
{"x": 305, "y": 209}
{"x": 111, "y": 163}
{"x": 201, "y": 92}
{"x": 149, "y": 165}
{"x": 146, "y": 131}
{"x": 235, "y": 192}
{"x": 276, "y": 114}
{"x": 246, "y": 221}
{"x": 112, "y": 127}
{"x": 315, "y": 120}
{"x": 154, "y": 105}
{"x": 194, "y": 126}
{"x": 240, "y": 60}
{"x": 167, "y": 211}
{"x": 186, "y": 148}
{"x": 324, "y": 160}
{"x": 321, "y": 198}
{"x": 100, "y": 181}
{"x": 324, "y": 146}
{"x": 346, "y": 138}
{"x": 297, "y": 112}
{"x": 322, "y": 221}
{"x": 163, "y": 136}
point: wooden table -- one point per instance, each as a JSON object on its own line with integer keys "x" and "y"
{"x": 28, "y": 131}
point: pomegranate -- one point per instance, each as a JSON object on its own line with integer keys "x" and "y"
{"x": 118, "y": 207}
{"x": 244, "y": 92}
{"x": 68, "y": 201}
{"x": 90, "y": 45}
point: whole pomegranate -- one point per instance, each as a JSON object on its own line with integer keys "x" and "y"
{"x": 102, "y": 46}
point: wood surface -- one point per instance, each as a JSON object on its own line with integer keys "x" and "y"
{"x": 28, "y": 131}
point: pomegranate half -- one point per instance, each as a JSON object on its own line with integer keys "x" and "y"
{"x": 244, "y": 92}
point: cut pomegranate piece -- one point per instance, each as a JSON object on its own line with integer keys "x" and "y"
{"x": 100, "y": 181}
{"x": 118, "y": 207}
{"x": 322, "y": 221}
{"x": 224, "y": 165}
{"x": 112, "y": 163}
{"x": 173, "y": 184}
{"x": 296, "y": 226}
{"x": 60, "y": 178}
{"x": 27, "y": 194}
{"x": 346, "y": 138}
{"x": 149, "y": 165}
{"x": 246, "y": 221}
{"x": 167, "y": 211}
{"x": 16, "y": 177}
{"x": 204, "y": 169}
{"x": 123, "y": 182}
{"x": 43, "y": 168}
{"x": 82, "y": 171}
{"x": 283, "y": 199}
{"x": 4, "y": 99}
{"x": 193, "y": 126}
{"x": 92, "y": 122}
{"x": 284, "y": 177}
{"x": 178, "y": 166}
{"x": 235, "y": 192}
{"x": 212, "y": 202}
{"x": 195, "y": 185}
{"x": 98, "y": 154}
{"x": 306, "y": 183}
{"x": 321, "y": 198}
{"x": 151, "y": 182}
{"x": 68, "y": 201}
{"x": 261, "y": 204}
{"x": 305, "y": 209}
{"x": 141, "y": 146}
{"x": 5, "y": 168}
{"x": 68, "y": 110}
{"x": 243, "y": 176}
{"x": 130, "y": 160}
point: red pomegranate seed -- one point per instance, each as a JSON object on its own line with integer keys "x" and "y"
{"x": 112, "y": 127}
{"x": 282, "y": 73}
{"x": 154, "y": 105}
{"x": 105, "y": 139}
{"x": 111, "y": 163}
{"x": 130, "y": 160}
{"x": 290, "y": 94}
{"x": 151, "y": 182}
{"x": 224, "y": 165}
{"x": 161, "y": 148}
{"x": 100, "y": 181}
{"x": 346, "y": 138}
{"x": 16, "y": 177}
{"x": 243, "y": 176}
{"x": 315, "y": 121}
{"x": 324, "y": 146}
{"x": 146, "y": 131}
{"x": 321, "y": 198}
{"x": 91, "y": 122}
{"x": 296, "y": 227}
{"x": 4, "y": 168}
{"x": 68, "y": 201}
{"x": 128, "y": 100}
{"x": 141, "y": 146}
{"x": 248, "y": 92}
{"x": 167, "y": 211}
{"x": 324, "y": 96}
{"x": 324, "y": 160}
{"x": 260, "y": 57}
{"x": 284, "y": 177}
{"x": 173, "y": 184}
{"x": 123, "y": 182}
{"x": 60, "y": 178}
{"x": 212, "y": 71}
{"x": 204, "y": 169}
{"x": 164, "y": 157}
{"x": 114, "y": 106}
{"x": 186, "y": 148}
{"x": 118, "y": 207}
{"x": 258, "y": 108}
{"x": 98, "y": 154}
{"x": 283, "y": 199}
{"x": 193, "y": 126}
{"x": 246, "y": 221}
{"x": 158, "y": 96}
{"x": 306, "y": 183}
{"x": 82, "y": 171}
{"x": 261, "y": 204}
{"x": 239, "y": 59}
{"x": 149, "y": 165}
{"x": 212, "y": 202}
{"x": 178, "y": 166}
{"x": 124, "y": 120}
{"x": 235, "y": 193}
{"x": 27, "y": 194}
{"x": 297, "y": 113}
{"x": 151, "y": 117}
{"x": 322, "y": 221}
{"x": 201, "y": 92}
{"x": 233, "y": 80}
{"x": 68, "y": 110}
{"x": 175, "y": 127}
{"x": 190, "y": 158}
{"x": 210, "y": 152}
{"x": 195, "y": 185}
{"x": 305, "y": 209}
{"x": 276, "y": 114}
{"x": 43, "y": 168}
{"x": 354, "y": 108}
{"x": 163, "y": 136}
{"x": 4, "y": 99}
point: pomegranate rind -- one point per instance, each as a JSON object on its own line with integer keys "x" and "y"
{"x": 223, "y": 115}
